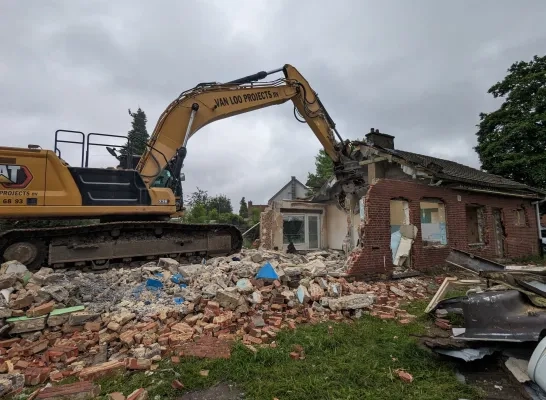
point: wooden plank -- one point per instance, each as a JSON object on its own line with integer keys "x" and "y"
{"x": 440, "y": 293}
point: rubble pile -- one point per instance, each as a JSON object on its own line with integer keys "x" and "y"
{"x": 56, "y": 324}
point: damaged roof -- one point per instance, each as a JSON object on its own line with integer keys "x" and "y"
{"x": 450, "y": 169}
{"x": 466, "y": 178}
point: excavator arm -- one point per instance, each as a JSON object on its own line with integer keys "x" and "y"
{"x": 209, "y": 102}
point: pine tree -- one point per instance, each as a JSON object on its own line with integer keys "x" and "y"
{"x": 243, "y": 209}
{"x": 138, "y": 136}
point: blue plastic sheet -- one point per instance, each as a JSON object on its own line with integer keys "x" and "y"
{"x": 154, "y": 284}
{"x": 178, "y": 278}
{"x": 267, "y": 272}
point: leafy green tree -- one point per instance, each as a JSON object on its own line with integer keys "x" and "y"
{"x": 512, "y": 139}
{"x": 138, "y": 136}
{"x": 324, "y": 170}
{"x": 243, "y": 208}
{"x": 199, "y": 197}
{"x": 221, "y": 203}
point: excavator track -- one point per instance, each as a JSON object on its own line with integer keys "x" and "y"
{"x": 102, "y": 245}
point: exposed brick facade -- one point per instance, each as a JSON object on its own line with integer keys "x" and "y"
{"x": 374, "y": 254}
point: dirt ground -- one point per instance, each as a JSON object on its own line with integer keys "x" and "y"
{"x": 223, "y": 391}
{"x": 490, "y": 375}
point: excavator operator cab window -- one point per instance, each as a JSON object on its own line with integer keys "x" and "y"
{"x": 163, "y": 180}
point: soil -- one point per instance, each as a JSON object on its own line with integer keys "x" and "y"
{"x": 490, "y": 375}
{"x": 222, "y": 391}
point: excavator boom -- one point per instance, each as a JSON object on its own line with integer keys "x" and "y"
{"x": 209, "y": 102}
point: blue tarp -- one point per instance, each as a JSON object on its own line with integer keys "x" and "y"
{"x": 177, "y": 278}
{"x": 153, "y": 284}
{"x": 267, "y": 272}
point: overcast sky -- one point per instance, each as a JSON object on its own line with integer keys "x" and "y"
{"x": 418, "y": 70}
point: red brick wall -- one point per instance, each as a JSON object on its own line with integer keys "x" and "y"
{"x": 374, "y": 255}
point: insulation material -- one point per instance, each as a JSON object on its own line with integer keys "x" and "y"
{"x": 403, "y": 251}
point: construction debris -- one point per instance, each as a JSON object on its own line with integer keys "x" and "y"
{"x": 71, "y": 323}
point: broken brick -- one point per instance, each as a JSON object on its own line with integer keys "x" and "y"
{"x": 177, "y": 385}
{"x": 56, "y": 376}
{"x": 294, "y": 355}
{"x": 41, "y": 310}
{"x": 405, "y": 376}
{"x": 138, "y": 364}
{"x": 127, "y": 337}
{"x": 206, "y": 347}
{"x": 92, "y": 326}
{"x": 21, "y": 364}
{"x": 9, "y": 342}
{"x": 139, "y": 394}
{"x": 36, "y": 347}
{"x": 36, "y": 375}
{"x": 78, "y": 390}
{"x": 116, "y": 396}
{"x": 109, "y": 368}
{"x": 443, "y": 324}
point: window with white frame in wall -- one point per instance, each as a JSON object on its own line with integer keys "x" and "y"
{"x": 303, "y": 230}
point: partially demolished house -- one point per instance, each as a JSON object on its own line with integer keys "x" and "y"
{"x": 412, "y": 210}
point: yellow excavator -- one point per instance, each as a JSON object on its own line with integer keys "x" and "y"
{"x": 135, "y": 205}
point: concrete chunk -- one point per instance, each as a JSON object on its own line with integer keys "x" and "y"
{"x": 7, "y": 281}
{"x": 228, "y": 298}
{"x": 80, "y": 318}
{"x": 57, "y": 292}
{"x": 27, "y": 325}
{"x": 168, "y": 263}
{"x": 351, "y": 302}
{"x": 13, "y": 267}
{"x": 11, "y": 383}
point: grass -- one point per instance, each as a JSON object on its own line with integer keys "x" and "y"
{"x": 533, "y": 259}
{"x": 356, "y": 362}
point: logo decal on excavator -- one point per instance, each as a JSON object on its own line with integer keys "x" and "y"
{"x": 14, "y": 176}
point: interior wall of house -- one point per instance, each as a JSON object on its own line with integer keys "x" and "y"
{"x": 336, "y": 221}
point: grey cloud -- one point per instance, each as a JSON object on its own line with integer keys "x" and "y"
{"x": 418, "y": 70}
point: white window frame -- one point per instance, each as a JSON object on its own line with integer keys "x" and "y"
{"x": 305, "y": 244}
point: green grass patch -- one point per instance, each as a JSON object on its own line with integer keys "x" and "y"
{"x": 357, "y": 361}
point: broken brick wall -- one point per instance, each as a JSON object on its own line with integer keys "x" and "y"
{"x": 271, "y": 228}
{"x": 374, "y": 257}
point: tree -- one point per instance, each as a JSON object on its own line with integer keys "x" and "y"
{"x": 512, "y": 139}
{"x": 138, "y": 136}
{"x": 324, "y": 170}
{"x": 243, "y": 208}
{"x": 199, "y": 197}
{"x": 221, "y": 203}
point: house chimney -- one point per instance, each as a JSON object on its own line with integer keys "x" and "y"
{"x": 380, "y": 139}
{"x": 293, "y": 188}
